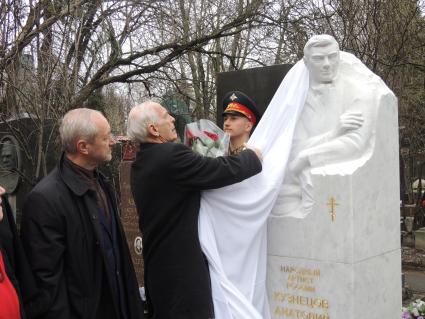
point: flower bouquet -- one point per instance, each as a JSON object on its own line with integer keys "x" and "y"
{"x": 416, "y": 310}
{"x": 206, "y": 138}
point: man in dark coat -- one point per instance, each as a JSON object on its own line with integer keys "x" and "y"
{"x": 72, "y": 232}
{"x": 166, "y": 182}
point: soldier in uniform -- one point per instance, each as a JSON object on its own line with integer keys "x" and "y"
{"x": 240, "y": 116}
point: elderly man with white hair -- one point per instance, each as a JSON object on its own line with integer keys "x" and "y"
{"x": 166, "y": 180}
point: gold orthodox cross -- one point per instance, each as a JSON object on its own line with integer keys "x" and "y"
{"x": 332, "y": 204}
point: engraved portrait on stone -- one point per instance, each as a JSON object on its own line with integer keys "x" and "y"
{"x": 138, "y": 245}
{"x": 10, "y": 163}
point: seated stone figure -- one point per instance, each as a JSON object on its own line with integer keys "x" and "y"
{"x": 335, "y": 131}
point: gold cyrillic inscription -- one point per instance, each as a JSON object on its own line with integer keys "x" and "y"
{"x": 300, "y": 270}
{"x": 299, "y": 280}
{"x": 294, "y": 313}
{"x": 311, "y": 302}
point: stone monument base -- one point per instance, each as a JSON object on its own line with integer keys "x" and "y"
{"x": 310, "y": 288}
{"x": 343, "y": 260}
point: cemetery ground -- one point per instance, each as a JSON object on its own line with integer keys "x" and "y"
{"x": 413, "y": 267}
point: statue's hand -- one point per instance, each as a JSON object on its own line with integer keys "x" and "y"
{"x": 349, "y": 121}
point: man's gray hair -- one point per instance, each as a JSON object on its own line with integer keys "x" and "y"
{"x": 78, "y": 124}
{"x": 320, "y": 40}
{"x": 139, "y": 119}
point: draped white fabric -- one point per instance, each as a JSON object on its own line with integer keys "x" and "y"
{"x": 232, "y": 220}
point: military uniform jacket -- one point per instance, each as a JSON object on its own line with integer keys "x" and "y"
{"x": 62, "y": 237}
{"x": 166, "y": 181}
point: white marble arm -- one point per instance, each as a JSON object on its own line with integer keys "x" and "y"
{"x": 345, "y": 142}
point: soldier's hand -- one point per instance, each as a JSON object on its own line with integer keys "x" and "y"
{"x": 256, "y": 150}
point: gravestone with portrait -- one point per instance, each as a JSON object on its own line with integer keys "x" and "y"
{"x": 129, "y": 216}
{"x": 19, "y": 146}
{"x": 10, "y": 163}
{"x": 334, "y": 236}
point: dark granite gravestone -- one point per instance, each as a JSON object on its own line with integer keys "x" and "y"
{"x": 10, "y": 163}
{"x": 19, "y": 141}
{"x": 260, "y": 84}
{"x": 129, "y": 216}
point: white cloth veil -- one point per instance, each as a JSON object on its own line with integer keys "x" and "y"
{"x": 232, "y": 220}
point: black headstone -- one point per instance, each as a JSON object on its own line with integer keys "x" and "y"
{"x": 23, "y": 133}
{"x": 259, "y": 84}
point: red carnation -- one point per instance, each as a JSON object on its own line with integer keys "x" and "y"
{"x": 212, "y": 136}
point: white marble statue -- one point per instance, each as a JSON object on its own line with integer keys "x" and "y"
{"x": 343, "y": 259}
{"x": 321, "y": 120}
{"x": 335, "y": 132}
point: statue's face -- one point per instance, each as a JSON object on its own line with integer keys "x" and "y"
{"x": 322, "y": 63}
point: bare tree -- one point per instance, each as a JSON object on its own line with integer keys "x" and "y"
{"x": 70, "y": 50}
{"x": 56, "y": 55}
